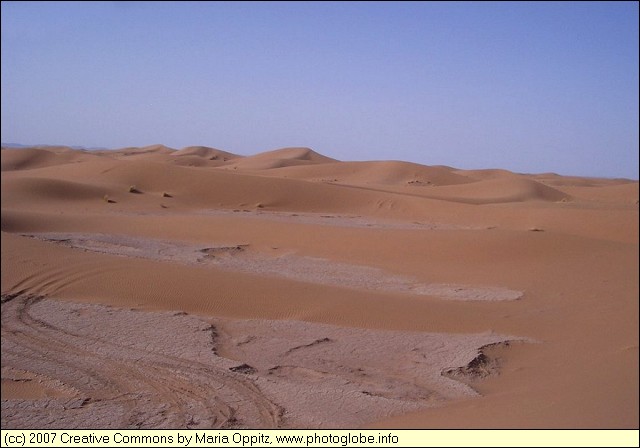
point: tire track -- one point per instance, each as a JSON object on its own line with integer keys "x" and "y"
{"x": 119, "y": 384}
{"x": 103, "y": 367}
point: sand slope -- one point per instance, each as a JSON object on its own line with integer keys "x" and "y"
{"x": 372, "y": 173}
{"x": 314, "y": 248}
{"x": 30, "y": 158}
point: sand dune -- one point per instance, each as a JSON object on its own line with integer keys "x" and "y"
{"x": 575, "y": 181}
{"x": 376, "y": 173}
{"x": 485, "y": 174}
{"x": 202, "y": 156}
{"x": 39, "y": 189}
{"x": 412, "y": 295}
{"x": 30, "y": 158}
{"x": 294, "y": 154}
{"x": 281, "y": 158}
{"x": 135, "y": 151}
{"x": 617, "y": 193}
{"x": 205, "y": 152}
{"x": 499, "y": 190}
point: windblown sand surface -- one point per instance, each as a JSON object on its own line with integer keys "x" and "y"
{"x": 149, "y": 287}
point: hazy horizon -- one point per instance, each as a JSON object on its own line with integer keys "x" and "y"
{"x": 531, "y": 88}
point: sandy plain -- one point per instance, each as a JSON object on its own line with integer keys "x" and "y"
{"x": 194, "y": 288}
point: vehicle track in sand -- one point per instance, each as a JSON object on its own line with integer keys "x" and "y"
{"x": 103, "y": 367}
{"x": 123, "y": 383}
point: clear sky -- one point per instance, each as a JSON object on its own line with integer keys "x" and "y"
{"x": 530, "y": 87}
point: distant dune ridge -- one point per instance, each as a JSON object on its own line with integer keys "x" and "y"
{"x": 471, "y": 298}
{"x": 298, "y": 163}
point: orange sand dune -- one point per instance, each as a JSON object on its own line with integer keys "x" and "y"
{"x": 280, "y": 158}
{"x": 202, "y": 156}
{"x": 498, "y": 190}
{"x": 205, "y": 152}
{"x": 622, "y": 193}
{"x": 377, "y": 173}
{"x": 134, "y": 150}
{"x": 30, "y": 158}
{"x": 151, "y": 152}
{"x": 575, "y": 181}
{"x": 484, "y": 299}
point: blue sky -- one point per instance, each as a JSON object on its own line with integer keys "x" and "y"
{"x": 523, "y": 86}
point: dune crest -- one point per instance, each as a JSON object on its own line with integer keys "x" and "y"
{"x": 279, "y": 158}
{"x": 205, "y": 152}
{"x": 31, "y": 158}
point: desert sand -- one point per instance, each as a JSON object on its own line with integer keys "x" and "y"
{"x": 195, "y": 288}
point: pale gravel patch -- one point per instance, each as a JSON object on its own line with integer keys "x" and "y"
{"x": 241, "y": 258}
{"x": 122, "y": 368}
{"x": 337, "y": 220}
